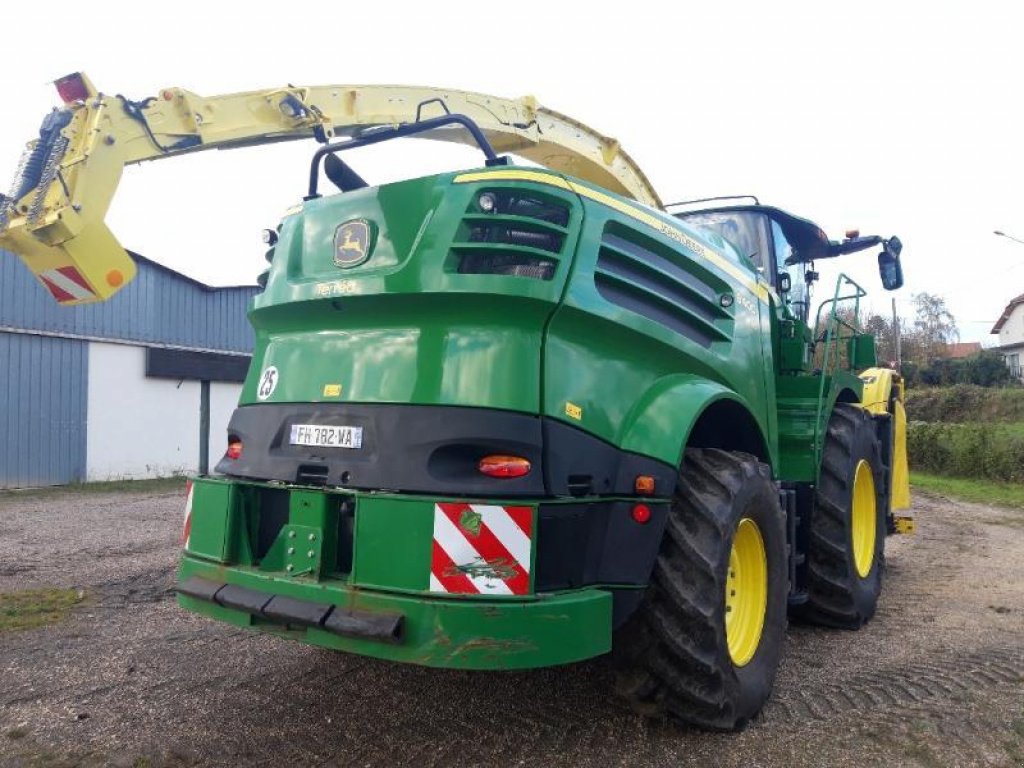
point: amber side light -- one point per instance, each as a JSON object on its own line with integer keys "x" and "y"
{"x": 644, "y": 485}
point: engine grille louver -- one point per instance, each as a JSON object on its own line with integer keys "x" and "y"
{"x": 521, "y": 236}
{"x": 634, "y": 275}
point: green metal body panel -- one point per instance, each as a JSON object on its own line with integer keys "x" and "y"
{"x": 212, "y": 537}
{"x": 638, "y": 383}
{"x": 406, "y": 326}
{"x": 802, "y": 422}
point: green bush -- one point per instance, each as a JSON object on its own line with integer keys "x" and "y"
{"x": 965, "y": 403}
{"x": 991, "y": 451}
{"x": 986, "y": 368}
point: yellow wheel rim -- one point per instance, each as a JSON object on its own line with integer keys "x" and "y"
{"x": 864, "y": 524}
{"x": 746, "y": 592}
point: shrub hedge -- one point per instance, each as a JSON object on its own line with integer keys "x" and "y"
{"x": 965, "y": 403}
{"x": 991, "y": 451}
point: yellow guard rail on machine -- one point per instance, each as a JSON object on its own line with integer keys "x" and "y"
{"x": 55, "y": 223}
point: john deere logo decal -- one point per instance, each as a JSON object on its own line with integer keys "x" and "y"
{"x": 352, "y": 243}
{"x": 470, "y": 521}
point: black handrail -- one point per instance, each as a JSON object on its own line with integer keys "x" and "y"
{"x": 378, "y": 135}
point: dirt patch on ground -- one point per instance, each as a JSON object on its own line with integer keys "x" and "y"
{"x": 936, "y": 679}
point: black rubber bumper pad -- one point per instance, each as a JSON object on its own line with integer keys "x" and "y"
{"x": 200, "y": 588}
{"x": 242, "y": 599}
{"x": 386, "y": 627}
{"x": 292, "y": 611}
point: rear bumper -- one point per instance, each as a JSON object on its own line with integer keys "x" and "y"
{"x": 473, "y": 584}
{"x": 437, "y": 632}
{"x": 434, "y": 449}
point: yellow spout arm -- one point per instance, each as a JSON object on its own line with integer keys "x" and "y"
{"x": 55, "y": 222}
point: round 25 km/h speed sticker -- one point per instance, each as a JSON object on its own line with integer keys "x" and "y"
{"x": 268, "y": 383}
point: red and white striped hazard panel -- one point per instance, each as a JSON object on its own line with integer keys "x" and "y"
{"x": 186, "y": 532}
{"x": 66, "y": 284}
{"x": 481, "y": 549}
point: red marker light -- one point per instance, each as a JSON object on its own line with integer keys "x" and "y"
{"x": 504, "y": 466}
{"x": 72, "y": 88}
{"x": 234, "y": 449}
{"x": 641, "y": 513}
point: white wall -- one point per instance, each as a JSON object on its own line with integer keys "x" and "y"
{"x": 223, "y": 400}
{"x": 142, "y": 427}
{"x": 1012, "y": 331}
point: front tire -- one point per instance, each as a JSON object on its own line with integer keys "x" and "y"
{"x": 705, "y": 644}
{"x": 846, "y": 553}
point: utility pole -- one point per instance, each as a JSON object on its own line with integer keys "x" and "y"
{"x": 204, "y": 427}
{"x": 896, "y": 333}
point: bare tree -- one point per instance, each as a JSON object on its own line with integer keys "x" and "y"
{"x": 934, "y": 327}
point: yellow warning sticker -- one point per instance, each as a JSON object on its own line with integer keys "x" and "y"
{"x": 573, "y": 411}
{"x": 332, "y": 390}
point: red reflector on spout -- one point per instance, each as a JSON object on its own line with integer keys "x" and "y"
{"x": 234, "y": 449}
{"x": 72, "y": 88}
{"x": 504, "y": 466}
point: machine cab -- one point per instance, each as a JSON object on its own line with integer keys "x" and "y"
{"x": 781, "y": 246}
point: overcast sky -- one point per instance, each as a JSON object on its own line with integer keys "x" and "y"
{"x": 895, "y": 119}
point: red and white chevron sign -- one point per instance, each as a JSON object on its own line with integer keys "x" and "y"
{"x": 66, "y": 284}
{"x": 481, "y": 549}
{"x": 186, "y": 533}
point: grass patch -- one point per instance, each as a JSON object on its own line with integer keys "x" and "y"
{"x": 971, "y": 489}
{"x": 156, "y": 485}
{"x": 33, "y": 608}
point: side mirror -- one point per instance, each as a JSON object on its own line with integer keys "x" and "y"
{"x": 889, "y": 267}
{"x": 782, "y": 280}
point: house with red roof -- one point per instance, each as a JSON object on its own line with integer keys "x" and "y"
{"x": 961, "y": 349}
{"x": 1010, "y": 327}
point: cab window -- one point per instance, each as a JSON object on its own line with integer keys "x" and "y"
{"x": 744, "y": 229}
{"x": 797, "y": 298}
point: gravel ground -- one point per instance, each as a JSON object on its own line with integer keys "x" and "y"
{"x": 936, "y": 679}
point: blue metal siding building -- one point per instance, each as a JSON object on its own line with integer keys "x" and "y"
{"x": 45, "y": 353}
{"x": 43, "y": 414}
{"x": 160, "y": 306}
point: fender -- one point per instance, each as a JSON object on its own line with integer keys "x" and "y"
{"x": 884, "y": 388}
{"x": 661, "y": 422}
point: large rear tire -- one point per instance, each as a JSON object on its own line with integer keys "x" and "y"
{"x": 846, "y": 551}
{"x": 705, "y": 644}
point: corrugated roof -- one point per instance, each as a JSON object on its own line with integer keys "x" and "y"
{"x": 161, "y": 306}
{"x": 1006, "y": 313}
